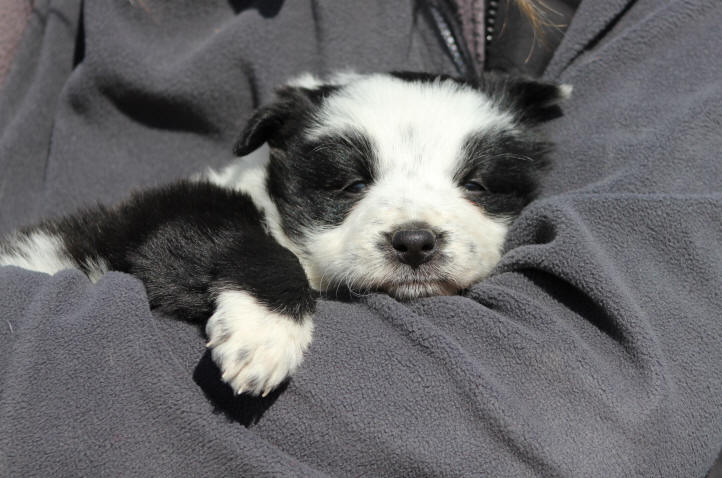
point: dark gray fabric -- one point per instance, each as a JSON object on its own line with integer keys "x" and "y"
{"x": 594, "y": 350}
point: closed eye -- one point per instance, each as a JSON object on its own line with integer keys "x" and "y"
{"x": 356, "y": 187}
{"x": 474, "y": 187}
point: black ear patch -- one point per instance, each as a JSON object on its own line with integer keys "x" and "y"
{"x": 276, "y": 121}
{"x": 538, "y": 101}
{"x": 268, "y": 122}
{"x": 263, "y": 123}
{"x": 533, "y": 101}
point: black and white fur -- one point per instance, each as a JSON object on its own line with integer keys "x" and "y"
{"x": 404, "y": 183}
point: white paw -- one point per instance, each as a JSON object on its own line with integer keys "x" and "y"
{"x": 255, "y": 348}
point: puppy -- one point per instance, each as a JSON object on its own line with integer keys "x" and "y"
{"x": 402, "y": 183}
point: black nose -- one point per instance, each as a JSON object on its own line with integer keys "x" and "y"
{"x": 414, "y": 246}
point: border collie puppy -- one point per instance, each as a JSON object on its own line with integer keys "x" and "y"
{"x": 403, "y": 183}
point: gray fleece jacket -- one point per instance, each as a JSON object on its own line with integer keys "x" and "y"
{"x": 595, "y": 349}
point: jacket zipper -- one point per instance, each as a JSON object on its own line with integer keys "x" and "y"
{"x": 444, "y": 17}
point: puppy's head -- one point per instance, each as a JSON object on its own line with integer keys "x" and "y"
{"x": 403, "y": 182}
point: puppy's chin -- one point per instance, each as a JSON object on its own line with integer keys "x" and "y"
{"x": 412, "y": 290}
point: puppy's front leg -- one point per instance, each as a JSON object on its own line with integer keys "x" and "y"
{"x": 255, "y": 293}
{"x": 260, "y": 324}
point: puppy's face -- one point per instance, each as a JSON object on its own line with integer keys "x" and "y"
{"x": 401, "y": 183}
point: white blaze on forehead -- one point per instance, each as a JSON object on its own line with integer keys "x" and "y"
{"x": 412, "y": 125}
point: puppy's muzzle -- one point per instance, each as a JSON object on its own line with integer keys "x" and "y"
{"x": 414, "y": 246}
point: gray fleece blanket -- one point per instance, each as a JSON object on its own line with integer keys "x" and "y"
{"x": 595, "y": 349}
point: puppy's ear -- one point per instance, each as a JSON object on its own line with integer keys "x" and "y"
{"x": 538, "y": 101}
{"x": 533, "y": 101}
{"x": 269, "y": 123}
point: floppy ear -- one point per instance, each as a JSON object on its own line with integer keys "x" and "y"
{"x": 259, "y": 128}
{"x": 269, "y": 123}
{"x": 538, "y": 101}
{"x": 533, "y": 101}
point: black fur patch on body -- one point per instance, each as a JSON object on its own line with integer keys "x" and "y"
{"x": 187, "y": 242}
